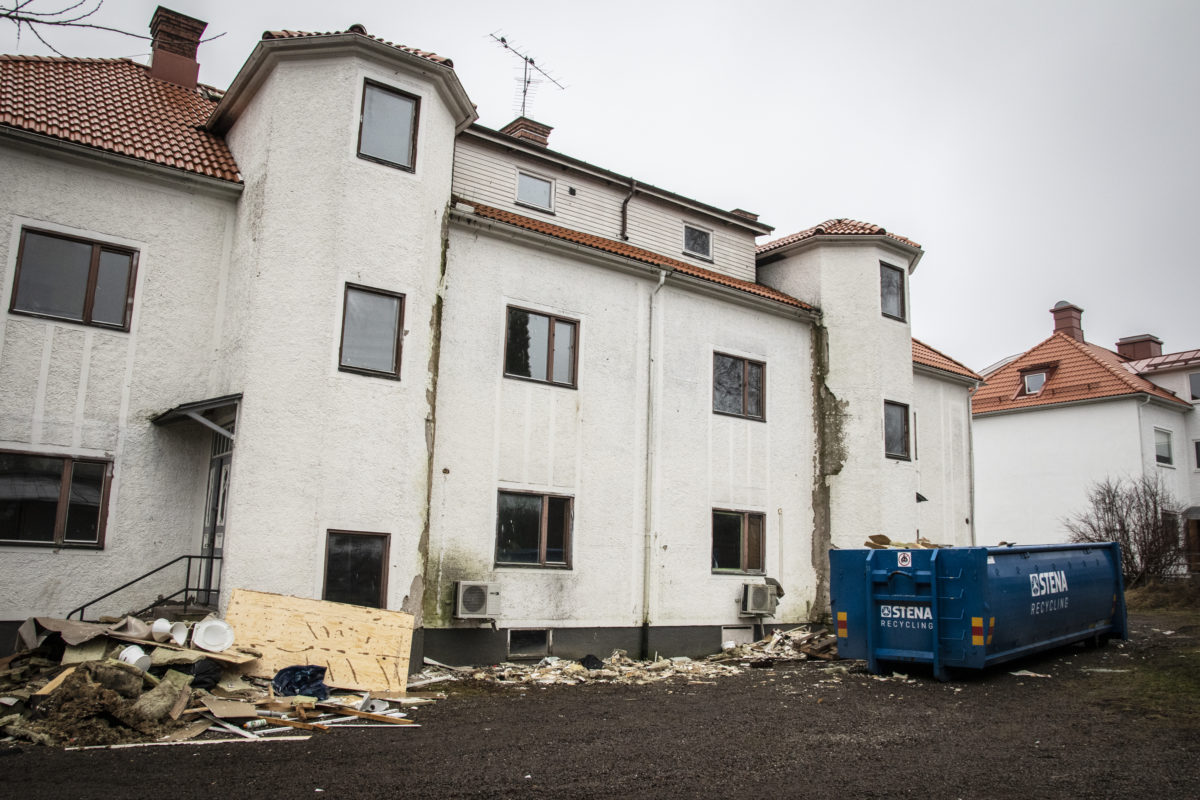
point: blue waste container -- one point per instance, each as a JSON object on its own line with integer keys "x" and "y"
{"x": 972, "y": 607}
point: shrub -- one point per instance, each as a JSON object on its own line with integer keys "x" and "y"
{"x": 1141, "y": 516}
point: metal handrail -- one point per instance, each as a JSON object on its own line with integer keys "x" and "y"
{"x": 187, "y": 587}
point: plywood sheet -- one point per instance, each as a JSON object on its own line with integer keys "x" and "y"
{"x": 365, "y": 649}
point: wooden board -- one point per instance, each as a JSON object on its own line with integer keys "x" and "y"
{"x": 231, "y": 656}
{"x": 366, "y": 649}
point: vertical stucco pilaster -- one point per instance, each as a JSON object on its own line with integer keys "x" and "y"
{"x": 828, "y": 457}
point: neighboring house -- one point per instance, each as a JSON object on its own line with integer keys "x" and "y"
{"x": 326, "y": 327}
{"x": 1066, "y": 414}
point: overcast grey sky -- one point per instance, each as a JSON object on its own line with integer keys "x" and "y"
{"x": 1039, "y": 151}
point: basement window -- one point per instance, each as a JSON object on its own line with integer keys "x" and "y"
{"x": 529, "y": 644}
{"x": 53, "y": 501}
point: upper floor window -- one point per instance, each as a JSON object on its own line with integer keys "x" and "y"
{"x": 540, "y": 347}
{"x": 1033, "y": 382}
{"x": 891, "y": 291}
{"x": 697, "y": 241}
{"x": 533, "y": 529}
{"x": 53, "y": 500}
{"x": 738, "y": 386}
{"x": 737, "y": 541}
{"x": 74, "y": 279}
{"x": 1194, "y": 385}
{"x": 535, "y": 191}
{"x": 388, "y": 126}
{"x": 372, "y": 331}
{"x": 895, "y": 430}
{"x": 1162, "y": 447}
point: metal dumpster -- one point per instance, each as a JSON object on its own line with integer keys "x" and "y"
{"x": 973, "y": 607}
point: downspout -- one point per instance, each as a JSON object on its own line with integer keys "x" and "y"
{"x": 651, "y": 396}
{"x": 625, "y": 215}
{"x": 971, "y": 461}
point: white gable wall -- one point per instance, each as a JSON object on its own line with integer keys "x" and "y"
{"x": 942, "y": 450}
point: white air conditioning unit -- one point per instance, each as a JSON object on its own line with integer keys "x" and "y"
{"x": 476, "y": 600}
{"x": 758, "y": 599}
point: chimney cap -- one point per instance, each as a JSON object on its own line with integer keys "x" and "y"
{"x": 528, "y": 130}
{"x": 1065, "y": 304}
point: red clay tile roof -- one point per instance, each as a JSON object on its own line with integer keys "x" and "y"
{"x": 305, "y": 34}
{"x": 835, "y": 227}
{"x": 1077, "y": 371}
{"x": 1185, "y": 358}
{"x": 635, "y": 253}
{"x": 926, "y": 355}
{"x": 113, "y": 104}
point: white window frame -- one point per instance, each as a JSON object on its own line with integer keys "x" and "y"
{"x": 524, "y": 173}
{"x": 693, "y": 253}
{"x": 1170, "y": 448}
{"x": 1025, "y": 382}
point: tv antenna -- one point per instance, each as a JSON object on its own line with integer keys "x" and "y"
{"x": 529, "y": 80}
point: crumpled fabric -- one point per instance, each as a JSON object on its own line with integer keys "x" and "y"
{"x": 308, "y": 680}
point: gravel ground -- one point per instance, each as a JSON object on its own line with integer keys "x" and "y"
{"x": 795, "y": 730}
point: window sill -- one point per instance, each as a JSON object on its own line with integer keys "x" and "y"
{"x": 508, "y": 565}
{"x": 387, "y": 163}
{"x": 699, "y": 257}
{"x": 1164, "y": 466}
{"x": 540, "y": 381}
{"x": 739, "y": 573}
{"x": 390, "y": 376}
{"x": 69, "y": 320}
{"x": 739, "y": 416}
{"x": 52, "y": 545}
{"x": 895, "y": 457}
{"x": 894, "y": 318}
{"x": 532, "y": 207}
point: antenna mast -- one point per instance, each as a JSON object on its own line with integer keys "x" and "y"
{"x": 527, "y": 65}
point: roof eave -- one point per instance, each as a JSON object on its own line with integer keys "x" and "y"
{"x": 945, "y": 374}
{"x": 129, "y": 164}
{"x": 1163, "y": 402}
{"x": 843, "y": 239}
{"x": 561, "y": 159}
{"x": 268, "y": 51}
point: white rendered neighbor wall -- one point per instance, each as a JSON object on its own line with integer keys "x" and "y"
{"x": 591, "y": 442}
{"x": 318, "y": 448}
{"x": 1033, "y": 469}
{"x": 942, "y": 454}
{"x": 72, "y": 389}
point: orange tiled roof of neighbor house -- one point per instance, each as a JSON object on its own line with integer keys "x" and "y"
{"x": 835, "y": 227}
{"x": 926, "y": 355}
{"x": 112, "y": 104}
{"x": 361, "y": 31}
{"x": 635, "y": 253}
{"x": 1075, "y": 371}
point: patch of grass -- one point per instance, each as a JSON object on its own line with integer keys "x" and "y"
{"x": 1181, "y": 593}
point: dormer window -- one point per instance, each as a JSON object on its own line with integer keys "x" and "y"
{"x": 1034, "y": 378}
{"x": 535, "y": 191}
{"x": 697, "y": 242}
{"x": 1034, "y": 381}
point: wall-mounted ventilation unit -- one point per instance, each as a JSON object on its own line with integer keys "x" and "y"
{"x": 758, "y": 599}
{"x": 476, "y": 600}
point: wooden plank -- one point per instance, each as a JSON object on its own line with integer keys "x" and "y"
{"x": 354, "y": 712}
{"x": 291, "y": 723}
{"x": 364, "y": 649}
{"x": 229, "y": 709}
{"x": 54, "y": 683}
{"x": 229, "y": 656}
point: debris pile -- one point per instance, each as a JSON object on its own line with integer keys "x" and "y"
{"x": 798, "y": 644}
{"x": 878, "y": 541}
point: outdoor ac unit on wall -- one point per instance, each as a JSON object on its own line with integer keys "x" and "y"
{"x": 476, "y": 600}
{"x": 758, "y": 599}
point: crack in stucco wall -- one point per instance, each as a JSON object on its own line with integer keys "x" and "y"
{"x": 829, "y": 456}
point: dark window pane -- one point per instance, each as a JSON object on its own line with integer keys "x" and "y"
{"x": 54, "y": 276}
{"x": 697, "y": 241}
{"x": 564, "y": 352}
{"x": 754, "y": 390}
{"x": 387, "y": 126}
{"x": 355, "y": 568}
{"x": 895, "y": 433}
{"x": 29, "y": 493}
{"x": 534, "y": 191}
{"x": 112, "y": 288}
{"x": 891, "y": 282}
{"x": 528, "y": 347}
{"x": 518, "y": 528}
{"x": 754, "y": 543}
{"x": 370, "y": 330}
{"x": 1162, "y": 447}
{"x": 1194, "y": 381}
{"x": 83, "y": 514}
{"x": 558, "y": 526}
{"x": 727, "y": 384}
{"x": 727, "y": 540}
{"x": 1197, "y": 445}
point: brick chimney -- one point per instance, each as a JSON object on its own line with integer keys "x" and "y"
{"x": 528, "y": 130}
{"x": 1143, "y": 345}
{"x": 1068, "y": 319}
{"x": 173, "y": 49}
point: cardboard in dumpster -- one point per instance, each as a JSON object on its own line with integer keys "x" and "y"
{"x": 365, "y": 649}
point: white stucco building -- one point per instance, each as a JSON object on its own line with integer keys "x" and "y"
{"x": 1067, "y": 414}
{"x": 324, "y": 326}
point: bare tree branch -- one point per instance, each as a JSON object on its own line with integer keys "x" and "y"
{"x": 1142, "y": 517}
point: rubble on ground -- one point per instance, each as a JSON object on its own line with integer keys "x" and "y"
{"x": 798, "y": 644}
{"x": 879, "y": 541}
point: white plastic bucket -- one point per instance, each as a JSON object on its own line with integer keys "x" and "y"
{"x": 136, "y": 656}
{"x": 161, "y": 629}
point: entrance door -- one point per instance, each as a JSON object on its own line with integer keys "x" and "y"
{"x": 213, "y": 541}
